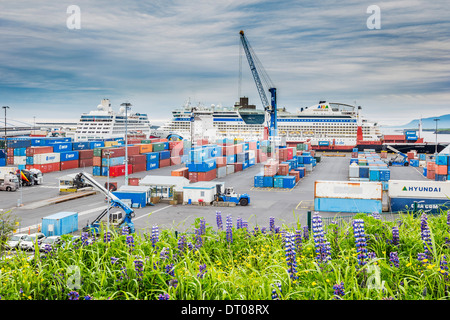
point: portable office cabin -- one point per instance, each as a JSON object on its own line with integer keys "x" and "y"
{"x": 164, "y": 186}
{"x": 203, "y": 191}
{"x": 146, "y": 189}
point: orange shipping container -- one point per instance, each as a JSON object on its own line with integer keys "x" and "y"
{"x": 431, "y": 166}
{"x": 97, "y": 161}
{"x": 145, "y": 148}
{"x": 442, "y": 169}
{"x": 182, "y": 172}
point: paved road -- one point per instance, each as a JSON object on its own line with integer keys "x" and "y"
{"x": 289, "y": 207}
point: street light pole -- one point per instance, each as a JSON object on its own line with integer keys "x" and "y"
{"x": 435, "y": 151}
{"x": 5, "y": 107}
{"x": 126, "y": 105}
{"x": 108, "y": 154}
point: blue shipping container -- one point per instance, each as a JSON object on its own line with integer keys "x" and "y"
{"x": 289, "y": 182}
{"x": 2, "y": 154}
{"x": 113, "y": 161}
{"x": 426, "y": 205}
{"x": 96, "y": 171}
{"x": 20, "y": 152}
{"x": 60, "y": 223}
{"x": 138, "y": 198}
{"x": 347, "y": 205}
{"x": 442, "y": 160}
{"x": 30, "y": 160}
{"x": 165, "y": 154}
{"x": 278, "y": 181}
{"x": 206, "y": 165}
{"x": 259, "y": 180}
{"x": 62, "y": 146}
{"x": 364, "y": 171}
{"x": 152, "y": 165}
{"x": 268, "y": 182}
{"x": 69, "y": 155}
{"x": 2, "y": 162}
{"x": 80, "y": 146}
{"x": 152, "y": 156}
{"x": 385, "y": 174}
{"x": 96, "y": 144}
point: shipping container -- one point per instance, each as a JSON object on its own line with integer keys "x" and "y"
{"x": 86, "y": 163}
{"x": 137, "y": 159}
{"x": 347, "y": 205}
{"x": 110, "y": 162}
{"x": 164, "y": 154}
{"x": 207, "y": 176}
{"x": 152, "y": 165}
{"x": 117, "y": 171}
{"x": 62, "y": 146}
{"x": 113, "y": 152}
{"x": 46, "y": 158}
{"x": 71, "y": 164}
{"x": 139, "y": 167}
{"x": 164, "y": 163}
{"x": 419, "y": 189}
{"x": 59, "y": 224}
{"x": 182, "y": 172}
{"x": 221, "y": 172}
{"x": 69, "y": 155}
{"x": 348, "y": 190}
{"x": 428, "y": 205}
{"x": 230, "y": 168}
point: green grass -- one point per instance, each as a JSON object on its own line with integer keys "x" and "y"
{"x": 248, "y": 268}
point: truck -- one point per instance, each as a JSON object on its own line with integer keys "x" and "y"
{"x": 9, "y": 182}
{"x": 30, "y": 177}
{"x": 83, "y": 180}
{"x": 8, "y": 179}
{"x": 228, "y": 195}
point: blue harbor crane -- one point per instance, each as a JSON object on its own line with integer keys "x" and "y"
{"x": 259, "y": 72}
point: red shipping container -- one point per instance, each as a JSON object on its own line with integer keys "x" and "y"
{"x": 283, "y": 169}
{"x": 85, "y": 154}
{"x": 133, "y": 141}
{"x": 137, "y": 159}
{"x": 431, "y": 166}
{"x": 252, "y": 145}
{"x": 202, "y": 142}
{"x": 31, "y": 151}
{"x": 238, "y": 148}
{"x": 164, "y": 163}
{"x": 221, "y": 162}
{"x": 441, "y": 169}
{"x": 175, "y": 144}
{"x": 10, "y": 152}
{"x": 175, "y": 161}
{"x": 193, "y": 176}
{"x": 133, "y": 181}
{"x": 238, "y": 166}
{"x": 97, "y": 161}
{"x": 271, "y": 168}
{"x": 296, "y": 174}
{"x": 133, "y": 150}
{"x": 139, "y": 167}
{"x": 228, "y": 150}
{"x": 182, "y": 172}
{"x": 290, "y": 153}
{"x": 10, "y": 160}
{"x": 261, "y": 156}
{"x": 71, "y": 164}
{"x": 49, "y": 167}
{"x": 208, "y": 175}
{"x": 86, "y": 163}
{"x": 114, "y": 152}
{"x": 177, "y": 151}
{"x": 119, "y": 170}
{"x": 431, "y": 175}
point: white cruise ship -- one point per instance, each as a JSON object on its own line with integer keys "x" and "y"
{"x": 332, "y": 125}
{"x": 104, "y": 123}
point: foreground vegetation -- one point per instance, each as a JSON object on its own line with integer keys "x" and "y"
{"x": 366, "y": 258}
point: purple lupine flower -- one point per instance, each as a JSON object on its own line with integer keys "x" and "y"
{"x": 229, "y": 229}
{"x": 426, "y": 236}
{"x": 114, "y": 260}
{"x": 107, "y": 237}
{"x": 272, "y": 224}
{"x": 125, "y": 231}
{"x": 376, "y": 215}
{"x": 155, "y": 235}
{"x": 276, "y": 291}
{"x": 198, "y": 238}
{"x": 84, "y": 238}
{"x": 339, "y": 290}
{"x": 130, "y": 242}
{"x": 139, "y": 268}
{"x": 164, "y": 296}
{"x": 393, "y": 258}
{"x": 245, "y": 225}
{"x": 182, "y": 243}
{"x": 421, "y": 257}
{"x": 322, "y": 246}
{"x": 202, "y": 271}
{"x": 170, "y": 270}
{"x": 263, "y": 230}
{"x": 277, "y": 230}
{"x": 306, "y": 233}
{"x": 87, "y": 297}
{"x": 371, "y": 255}
{"x": 219, "y": 220}
{"x": 73, "y": 295}
{"x": 164, "y": 253}
{"x": 255, "y": 230}
{"x": 290, "y": 255}
{"x": 395, "y": 236}
{"x": 238, "y": 223}
{"x": 298, "y": 239}
{"x": 360, "y": 241}
{"x": 443, "y": 265}
{"x": 173, "y": 283}
{"x": 202, "y": 227}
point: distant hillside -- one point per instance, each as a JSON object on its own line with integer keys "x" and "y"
{"x": 429, "y": 123}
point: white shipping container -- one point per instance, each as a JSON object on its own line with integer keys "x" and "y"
{"x": 353, "y": 171}
{"x": 427, "y": 189}
{"x": 308, "y": 167}
{"x": 251, "y": 154}
{"x": 230, "y": 169}
{"x": 18, "y": 160}
{"x": 348, "y": 190}
{"x": 45, "y": 158}
{"x": 221, "y": 172}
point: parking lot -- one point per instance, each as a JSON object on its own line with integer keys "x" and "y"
{"x": 287, "y": 206}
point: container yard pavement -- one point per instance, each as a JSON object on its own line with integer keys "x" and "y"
{"x": 287, "y": 206}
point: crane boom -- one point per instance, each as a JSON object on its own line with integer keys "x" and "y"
{"x": 251, "y": 62}
{"x": 129, "y": 213}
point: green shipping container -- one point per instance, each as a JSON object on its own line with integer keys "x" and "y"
{"x": 158, "y": 146}
{"x": 145, "y": 141}
{"x": 98, "y": 152}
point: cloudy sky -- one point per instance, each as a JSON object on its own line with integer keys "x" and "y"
{"x": 156, "y": 54}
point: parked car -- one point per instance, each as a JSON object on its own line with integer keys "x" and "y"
{"x": 14, "y": 240}
{"x": 53, "y": 241}
{"x": 30, "y": 240}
